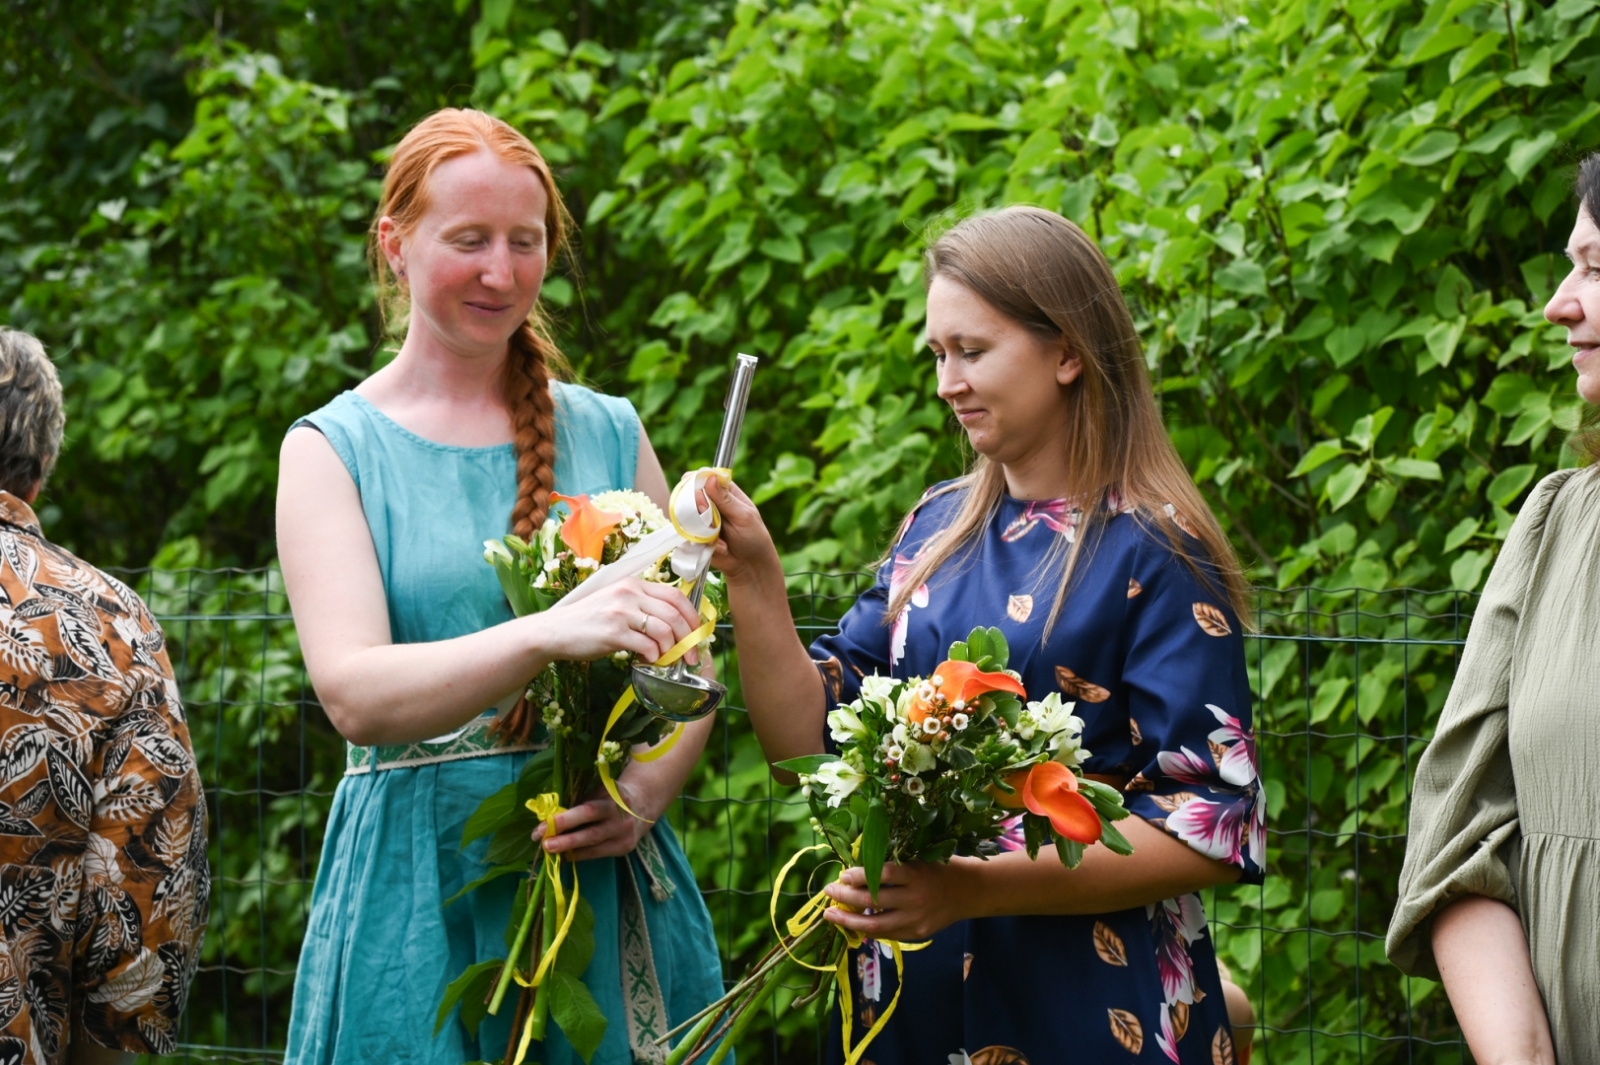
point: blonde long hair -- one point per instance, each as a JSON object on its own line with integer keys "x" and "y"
{"x": 533, "y": 358}
{"x": 1044, "y": 273}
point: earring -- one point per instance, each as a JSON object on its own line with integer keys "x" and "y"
{"x": 402, "y": 271}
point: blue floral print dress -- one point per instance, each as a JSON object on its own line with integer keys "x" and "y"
{"x": 1153, "y": 656}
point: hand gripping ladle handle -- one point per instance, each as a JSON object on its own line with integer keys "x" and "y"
{"x": 732, "y": 423}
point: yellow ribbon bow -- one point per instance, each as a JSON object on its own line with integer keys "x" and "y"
{"x": 546, "y": 807}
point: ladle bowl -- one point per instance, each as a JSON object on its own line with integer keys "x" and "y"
{"x": 676, "y": 694}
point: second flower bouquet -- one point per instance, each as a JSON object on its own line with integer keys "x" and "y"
{"x": 926, "y": 769}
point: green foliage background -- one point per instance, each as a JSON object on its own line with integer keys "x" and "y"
{"x": 1335, "y": 222}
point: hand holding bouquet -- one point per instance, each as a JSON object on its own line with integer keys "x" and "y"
{"x": 927, "y": 769}
{"x": 593, "y": 726}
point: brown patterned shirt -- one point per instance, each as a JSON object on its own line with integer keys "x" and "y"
{"x": 103, "y": 877}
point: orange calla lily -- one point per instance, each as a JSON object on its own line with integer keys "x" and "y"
{"x": 586, "y": 527}
{"x": 1051, "y": 790}
{"x": 963, "y": 681}
{"x": 1011, "y": 800}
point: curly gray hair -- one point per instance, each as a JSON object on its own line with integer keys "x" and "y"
{"x": 31, "y": 414}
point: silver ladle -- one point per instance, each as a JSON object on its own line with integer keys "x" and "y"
{"x": 672, "y": 692}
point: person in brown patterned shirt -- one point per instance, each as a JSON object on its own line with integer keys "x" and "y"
{"x": 103, "y": 875}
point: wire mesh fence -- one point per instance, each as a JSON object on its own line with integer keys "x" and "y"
{"x": 1348, "y": 684}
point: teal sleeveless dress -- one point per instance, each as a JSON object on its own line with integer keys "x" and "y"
{"x": 380, "y": 944}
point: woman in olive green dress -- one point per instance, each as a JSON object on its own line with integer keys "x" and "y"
{"x": 1500, "y": 894}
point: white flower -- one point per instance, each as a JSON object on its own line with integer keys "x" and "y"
{"x": 585, "y": 563}
{"x": 635, "y": 508}
{"x": 919, "y": 759}
{"x": 805, "y": 790}
{"x": 1068, "y": 750}
{"x": 900, "y": 735}
{"x": 839, "y": 779}
{"x": 959, "y": 722}
{"x": 495, "y": 551}
{"x": 959, "y": 704}
{"x": 931, "y": 726}
{"x": 894, "y": 751}
{"x": 878, "y": 688}
{"x": 846, "y": 725}
{"x": 552, "y": 564}
{"x": 541, "y": 581}
{"x": 1050, "y": 715}
{"x": 914, "y": 785}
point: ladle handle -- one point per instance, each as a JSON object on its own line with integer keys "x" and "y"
{"x": 732, "y": 423}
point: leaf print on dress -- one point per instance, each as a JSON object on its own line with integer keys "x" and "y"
{"x": 998, "y": 1056}
{"x": 1126, "y": 1030}
{"x": 1222, "y": 1048}
{"x": 1212, "y": 621}
{"x": 10, "y": 987}
{"x": 1019, "y": 608}
{"x": 1075, "y": 686}
{"x": 1108, "y": 945}
{"x": 21, "y": 557}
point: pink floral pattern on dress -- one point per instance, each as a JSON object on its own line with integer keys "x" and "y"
{"x": 1230, "y": 830}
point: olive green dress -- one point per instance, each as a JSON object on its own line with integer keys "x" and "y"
{"x": 1507, "y": 794}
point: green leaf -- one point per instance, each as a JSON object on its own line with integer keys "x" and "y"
{"x": 492, "y": 814}
{"x": 1069, "y": 851}
{"x": 1243, "y": 276}
{"x": 1420, "y": 469}
{"x": 1114, "y": 840}
{"x": 1343, "y": 485}
{"x": 469, "y": 989}
{"x": 1320, "y": 453}
{"x": 1528, "y": 153}
{"x": 999, "y": 649}
{"x": 495, "y": 873}
{"x": 875, "y": 845}
{"x": 1464, "y": 530}
{"x": 1103, "y": 132}
{"x": 1508, "y": 484}
{"x": 575, "y": 1010}
{"x": 1467, "y": 570}
{"x": 1434, "y": 146}
{"x": 805, "y": 765}
{"x": 578, "y": 948}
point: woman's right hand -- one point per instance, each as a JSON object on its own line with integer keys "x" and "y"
{"x": 745, "y": 548}
{"x": 642, "y": 617}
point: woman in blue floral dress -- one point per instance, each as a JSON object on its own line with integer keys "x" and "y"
{"x": 1081, "y": 536}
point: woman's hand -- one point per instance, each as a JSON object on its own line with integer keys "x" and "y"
{"x": 914, "y": 901}
{"x": 642, "y": 617}
{"x": 746, "y": 549}
{"x": 600, "y": 828}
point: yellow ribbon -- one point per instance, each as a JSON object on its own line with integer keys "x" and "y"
{"x": 807, "y": 916}
{"x": 708, "y": 614}
{"x": 546, "y": 807}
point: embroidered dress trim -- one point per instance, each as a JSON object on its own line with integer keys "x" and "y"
{"x": 471, "y": 740}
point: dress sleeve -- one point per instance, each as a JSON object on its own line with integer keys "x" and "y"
{"x": 860, "y": 648}
{"x": 146, "y": 881}
{"x": 1189, "y": 709}
{"x": 1464, "y": 824}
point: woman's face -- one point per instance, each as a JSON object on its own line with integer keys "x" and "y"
{"x": 1576, "y": 305}
{"x": 1004, "y": 382}
{"x": 475, "y": 260}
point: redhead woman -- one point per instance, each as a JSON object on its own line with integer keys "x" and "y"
{"x": 385, "y": 499}
{"x": 1500, "y": 892}
{"x": 1079, "y": 533}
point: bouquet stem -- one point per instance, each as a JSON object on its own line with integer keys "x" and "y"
{"x": 536, "y": 891}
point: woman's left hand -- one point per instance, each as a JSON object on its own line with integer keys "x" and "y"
{"x": 914, "y": 901}
{"x": 599, "y": 828}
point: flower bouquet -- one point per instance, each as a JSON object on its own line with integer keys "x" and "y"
{"x": 926, "y": 769}
{"x": 593, "y": 725}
